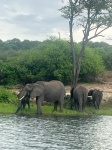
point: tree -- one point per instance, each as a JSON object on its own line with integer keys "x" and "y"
{"x": 94, "y": 16}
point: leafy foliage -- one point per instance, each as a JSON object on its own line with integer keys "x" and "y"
{"x": 92, "y": 65}
{"x": 7, "y": 96}
{"x": 94, "y": 17}
{"x": 51, "y": 60}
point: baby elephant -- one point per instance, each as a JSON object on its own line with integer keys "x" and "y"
{"x": 96, "y": 97}
{"x": 26, "y": 100}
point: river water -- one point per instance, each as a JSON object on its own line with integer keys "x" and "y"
{"x": 55, "y": 133}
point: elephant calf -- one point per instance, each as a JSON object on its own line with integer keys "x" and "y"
{"x": 79, "y": 97}
{"x": 26, "y": 100}
{"x": 23, "y": 102}
{"x": 96, "y": 97}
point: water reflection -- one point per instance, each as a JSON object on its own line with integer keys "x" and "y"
{"x": 55, "y": 133}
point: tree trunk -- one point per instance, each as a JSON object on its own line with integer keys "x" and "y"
{"x": 73, "y": 81}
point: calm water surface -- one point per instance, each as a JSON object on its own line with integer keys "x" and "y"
{"x": 55, "y": 133}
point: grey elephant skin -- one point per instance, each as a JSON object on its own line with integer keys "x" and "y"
{"x": 52, "y": 91}
{"x": 22, "y": 103}
{"x": 96, "y": 97}
{"x": 78, "y": 98}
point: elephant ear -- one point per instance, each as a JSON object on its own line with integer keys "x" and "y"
{"x": 37, "y": 90}
{"x": 28, "y": 87}
{"x": 90, "y": 93}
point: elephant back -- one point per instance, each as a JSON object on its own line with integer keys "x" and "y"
{"x": 54, "y": 90}
{"x": 80, "y": 92}
{"x": 97, "y": 94}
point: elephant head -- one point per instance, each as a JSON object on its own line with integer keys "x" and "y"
{"x": 96, "y": 97}
{"x": 34, "y": 90}
{"x": 24, "y": 96}
{"x": 37, "y": 90}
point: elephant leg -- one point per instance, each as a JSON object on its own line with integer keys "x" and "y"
{"x": 39, "y": 101}
{"x": 24, "y": 105}
{"x": 76, "y": 105}
{"x": 71, "y": 107}
{"x": 97, "y": 104}
{"x": 83, "y": 105}
{"x": 29, "y": 104}
{"x": 80, "y": 105}
{"x": 71, "y": 103}
{"x": 61, "y": 106}
{"x": 19, "y": 106}
{"x": 55, "y": 106}
{"x": 94, "y": 103}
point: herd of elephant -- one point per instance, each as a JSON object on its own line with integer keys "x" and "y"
{"x": 54, "y": 92}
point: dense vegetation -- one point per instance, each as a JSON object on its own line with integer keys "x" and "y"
{"x": 29, "y": 61}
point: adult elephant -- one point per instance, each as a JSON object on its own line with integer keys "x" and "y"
{"x": 79, "y": 97}
{"x": 96, "y": 97}
{"x": 52, "y": 91}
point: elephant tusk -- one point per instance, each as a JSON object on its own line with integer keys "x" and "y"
{"x": 21, "y": 98}
{"x": 90, "y": 96}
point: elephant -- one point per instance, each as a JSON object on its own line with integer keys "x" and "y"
{"x": 89, "y": 101}
{"x": 78, "y": 97}
{"x": 26, "y": 100}
{"x": 23, "y": 102}
{"x": 96, "y": 97}
{"x": 52, "y": 91}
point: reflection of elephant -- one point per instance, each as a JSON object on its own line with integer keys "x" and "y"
{"x": 53, "y": 91}
{"x": 79, "y": 97}
{"x": 96, "y": 97}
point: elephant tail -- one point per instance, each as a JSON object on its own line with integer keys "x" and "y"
{"x": 84, "y": 99}
{"x": 71, "y": 93}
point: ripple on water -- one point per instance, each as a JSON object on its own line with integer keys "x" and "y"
{"x": 55, "y": 133}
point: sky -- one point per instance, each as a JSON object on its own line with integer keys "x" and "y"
{"x": 38, "y": 20}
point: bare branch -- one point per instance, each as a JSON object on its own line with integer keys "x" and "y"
{"x": 98, "y": 34}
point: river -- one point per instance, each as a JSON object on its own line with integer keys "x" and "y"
{"x": 55, "y": 133}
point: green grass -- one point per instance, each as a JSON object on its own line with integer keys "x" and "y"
{"x": 10, "y": 108}
{"x": 6, "y": 108}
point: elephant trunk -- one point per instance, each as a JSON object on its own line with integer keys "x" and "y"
{"x": 19, "y": 106}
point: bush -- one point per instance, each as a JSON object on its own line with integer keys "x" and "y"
{"x": 92, "y": 65}
{"x": 7, "y": 96}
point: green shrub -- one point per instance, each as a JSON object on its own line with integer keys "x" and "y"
{"x": 7, "y": 96}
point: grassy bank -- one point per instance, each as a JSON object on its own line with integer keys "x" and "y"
{"x": 6, "y": 108}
